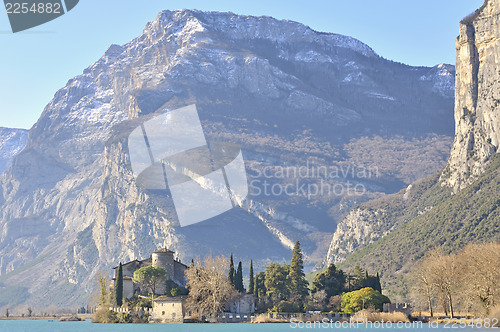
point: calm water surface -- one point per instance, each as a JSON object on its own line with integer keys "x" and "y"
{"x": 87, "y": 326}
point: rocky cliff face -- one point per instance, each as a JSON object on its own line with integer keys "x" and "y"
{"x": 12, "y": 141}
{"x": 477, "y": 96}
{"x": 289, "y": 96}
{"x": 444, "y": 209}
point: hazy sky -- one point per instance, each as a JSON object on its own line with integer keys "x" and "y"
{"x": 36, "y": 63}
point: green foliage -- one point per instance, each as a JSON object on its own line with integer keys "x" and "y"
{"x": 251, "y": 279}
{"x": 287, "y": 306}
{"x": 372, "y": 282}
{"x": 178, "y": 291}
{"x": 276, "y": 281}
{"x": 105, "y": 317}
{"x": 296, "y": 276}
{"x": 103, "y": 287}
{"x": 331, "y": 280}
{"x": 7, "y": 312}
{"x": 238, "y": 279}
{"x": 472, "y": 215}
{"x": 232, "y": 272}
{"x": 260, "y": 288}
{"x": 150, "y": 277}
{"x": 363, "y": 299}
{"x": 169, "y": 285}
{"x": 119, "y": 286}
{"x": 110, "y": 317}
{"x": 144, "y": 302}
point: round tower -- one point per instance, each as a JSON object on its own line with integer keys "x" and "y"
{"x": 165, "y": 259}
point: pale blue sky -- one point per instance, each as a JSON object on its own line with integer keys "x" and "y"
{"x": 36, "y": 63}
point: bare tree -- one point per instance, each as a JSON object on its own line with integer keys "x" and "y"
{"x": 481, "y": 274}
{"x": 423, "y": 289}
{"x": 103, "y": 288}
{"x": 209, "y": 287}
{"x": 445, "y": 278}
{"x": 468, "y": 279}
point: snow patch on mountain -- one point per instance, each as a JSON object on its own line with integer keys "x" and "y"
{"x": 443, "y": 78}
{"x": 12, "y": 142}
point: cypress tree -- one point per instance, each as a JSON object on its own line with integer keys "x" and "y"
{"x": 192, "y": 263}
{"x": 378, "y": 286}
{"x": 297, "y": 277}
{"x": 238, "y": 280}
{"x": 119, "y": 286}
{"x": 232, "y": 272}
{"x": 259, "y": 289}
{"x": 250, "y": 279}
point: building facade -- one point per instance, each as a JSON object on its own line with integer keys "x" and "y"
{"x": 167, "y": 309}
{"x": 244, "y": 304}
{"x": 163, "y": 258}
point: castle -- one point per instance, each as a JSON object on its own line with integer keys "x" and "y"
{"x": 164, "y": 258}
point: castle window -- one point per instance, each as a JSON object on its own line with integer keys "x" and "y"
{"x": 173, "y": 315}
{"x": 163, "y": 313}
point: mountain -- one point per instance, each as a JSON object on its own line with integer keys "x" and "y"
{"x": 12, "y": 141}
{"x": 307, "y": 109}
{"x": 455, "y": 206}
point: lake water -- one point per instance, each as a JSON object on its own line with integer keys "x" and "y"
{"x": 87, "y": 326}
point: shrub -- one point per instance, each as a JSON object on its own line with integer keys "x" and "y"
{"x": 144, "y": 302}
{"x": 287, "y": 306}
{"x": 178, "y": 291}
{"x": 105, "y": 316}
{"x": 361, "y": 299}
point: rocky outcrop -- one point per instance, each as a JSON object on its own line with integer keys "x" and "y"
{"x": 477, "y": 96}
{"x": 359, "y": 228}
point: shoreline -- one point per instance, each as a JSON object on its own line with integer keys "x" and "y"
{"x": 56, "y": 317}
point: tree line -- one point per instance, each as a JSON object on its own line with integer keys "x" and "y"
{"x": 284, "y": 288}
{"x": 467, "y": 281}
{"x": 214, "y": 281}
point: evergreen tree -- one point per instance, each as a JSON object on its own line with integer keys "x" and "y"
{"x": 250, "y": 279}
{"x": 232, "y": 272}
{"x": 331, "y": 280}
{"x": 238, "y": 280}
{"x": 192, "y": 263}
{"x": 358, "y": 278}
{"x": 378, "y": 286}
{"x": 296, "y": 276}
{"x": 259, "y": 289}
{"x": 277, "y": 282}
{"x": 119, "y": 286}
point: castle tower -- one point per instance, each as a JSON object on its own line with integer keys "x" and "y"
{"x": 164, "y": 258}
